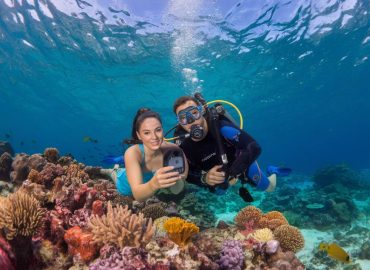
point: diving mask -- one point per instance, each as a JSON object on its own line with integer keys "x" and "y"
{"x": 189, "y": 115}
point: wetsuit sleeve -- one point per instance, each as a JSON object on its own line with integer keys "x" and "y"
{"x": 247, "y": 148}
{"x": 194, "y": 176}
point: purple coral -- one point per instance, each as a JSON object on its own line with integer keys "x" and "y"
{"x": 128, "y": 258}
{"x": 272, "y": 246}
{"x": 231, "y": 255}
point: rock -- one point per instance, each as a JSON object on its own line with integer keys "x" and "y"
{"x": 5, "y": 166}
{"x": 6, "y": 147}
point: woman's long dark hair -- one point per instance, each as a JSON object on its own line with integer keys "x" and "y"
{"x": 141, "y": 115}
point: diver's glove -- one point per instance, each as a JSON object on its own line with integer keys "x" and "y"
{"x": 240, "y": 165}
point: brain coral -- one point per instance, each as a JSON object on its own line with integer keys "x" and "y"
{"x": 290, "y": 238}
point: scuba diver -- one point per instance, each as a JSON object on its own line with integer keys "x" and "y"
{"x": 218, "y": 151}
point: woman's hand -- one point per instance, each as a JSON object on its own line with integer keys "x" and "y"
{"x": 164, "y": 178}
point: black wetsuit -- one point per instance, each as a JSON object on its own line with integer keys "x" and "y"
{"x": 203, "y": 155}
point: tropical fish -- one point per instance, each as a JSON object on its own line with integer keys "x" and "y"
{"x": 335, "y": 251}
{"x": 89, "y": 139}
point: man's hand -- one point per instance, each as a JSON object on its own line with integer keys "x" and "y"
{"x": 215, "y": 176}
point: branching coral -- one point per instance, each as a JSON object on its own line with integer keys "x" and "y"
{"x": 290, "y": 238}
{"x": 179, "y": 230}
{"x": 20, "y": 214}
{"x": 249, "y": 213}
{"x": 120, "y": 227}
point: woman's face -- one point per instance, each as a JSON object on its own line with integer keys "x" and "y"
{"x": 151, "y": 133}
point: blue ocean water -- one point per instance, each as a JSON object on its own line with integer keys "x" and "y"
{"x": 298, "y": 71}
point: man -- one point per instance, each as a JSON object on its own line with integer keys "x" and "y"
{"x": 205, "y": 166}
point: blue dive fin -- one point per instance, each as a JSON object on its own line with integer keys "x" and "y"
{"x": 114, "y": 159}
{"x": 279, "y": 171}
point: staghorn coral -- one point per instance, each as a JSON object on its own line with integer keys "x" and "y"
{"x": 120, "y": 227}
{"x": 290, "y": 238}
{"x": 154, "y": 211}
{"x": 249, "y": 213}
{"x": 272, "y": 220}
{"x": 263, "y": 235}
{"x": 20, "y": 214}
{"x": 179, "y": 230}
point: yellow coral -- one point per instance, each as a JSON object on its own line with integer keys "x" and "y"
{"x": 20, "y": 214}
{"x": 122, "y": 228}
{"x": 290, "y": 238}
{"x": 179, "y": 230}
{"x": 247, "y": 214}
{"x": 263, "y": 235}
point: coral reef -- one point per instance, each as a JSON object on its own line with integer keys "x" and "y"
{"x": 5, "y": 147}
{"x": 337, "y": 174}
{"x": 81, "y": 243}
{"x": 129, "y": 258}
{"x": 272, "y": 220}
{"x": 5, "y": 166}
{"x": 20, "y": 214}
{"x": 231, "y": 255}
{"x": 22, "y": 164}
{"x": 262, "y": 235}
{"x": 51, "y": 155}
{"x": 7, "y": 257}
{"x": 154, "y": 211}
{"x": 249, "y": 213}
{"x": 120, "y": 227}
{"x": 290, "y": 238}
{"x": 179, "y": 230}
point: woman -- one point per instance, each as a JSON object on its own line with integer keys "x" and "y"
{"x": 144, "y": 174}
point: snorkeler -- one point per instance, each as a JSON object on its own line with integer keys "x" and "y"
{"x": 147, "y": 169}
{"x": 212, "y": 142}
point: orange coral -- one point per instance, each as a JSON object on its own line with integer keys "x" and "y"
{"x": 247, "y": 214}
{"x": 80, "y": 242}
{"x": 272, "y": 220}
{"x": 179, "y": 230}
{"x": 290, "y": 238}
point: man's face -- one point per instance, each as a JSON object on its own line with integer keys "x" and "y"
{"x": 189, "y": 111}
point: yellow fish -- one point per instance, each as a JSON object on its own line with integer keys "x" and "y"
{"x": 87, "y": 139}
{"x": 335, "y": 251}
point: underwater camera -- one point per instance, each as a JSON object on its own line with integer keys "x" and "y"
{"x": 174, "y": 157}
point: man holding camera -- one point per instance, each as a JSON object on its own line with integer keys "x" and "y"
{"x": 202, "y": 149}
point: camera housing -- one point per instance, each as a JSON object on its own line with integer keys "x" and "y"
{"x": 174, "y": 157}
